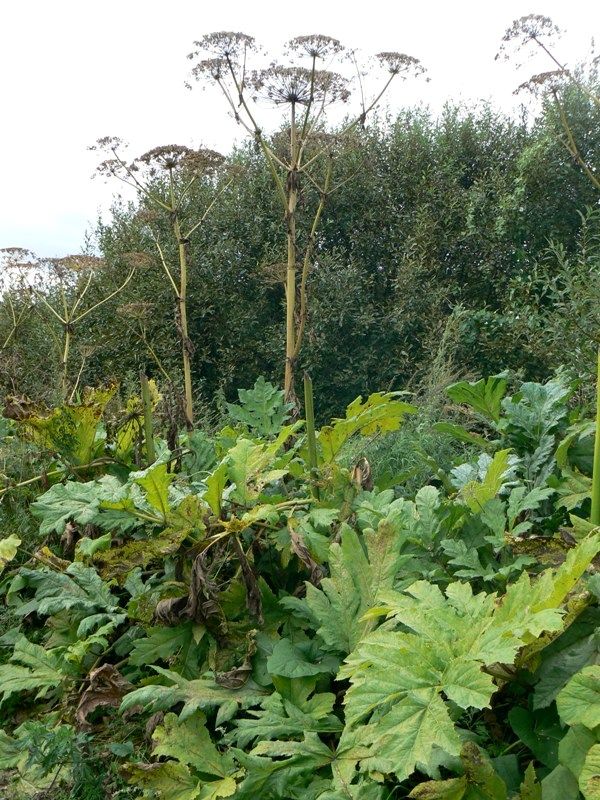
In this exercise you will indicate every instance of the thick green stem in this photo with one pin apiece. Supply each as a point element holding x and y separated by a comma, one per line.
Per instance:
<point>148,429</point>
<point>183,322</point>
<point>309,413</point>
<point>64,384</point>
<point>595,516</point>
<point>290,288</point>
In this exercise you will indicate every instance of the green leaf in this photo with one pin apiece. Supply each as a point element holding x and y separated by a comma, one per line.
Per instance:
<point>589,778</point>
<point>535,414</point>
<point>521,500</point>
<point>253,466</point>
<point>70,430</point>
<point>574,747</point>
<point>86,547</point>
<point>155,481</point>
<point>452,789</point>
<point>79,588</point>
<point>560,783</point>
<point>215,483</point>
<point>579,702</point>
<point>202,693</point>
<point>160,644</point>
<point>168,781</point>
<point>8,550</point>
<point>41,670</point>
<point>356,579</point>
<point>485,396</point>
<point>407,734</point>
<point>561,664</point>
<point>189,742</point>
<point>398,677</point>
<point>530,788</point>
<point>78,502</point>
<point>540,732</point>
<point>462,434</point>
<point>262,408</point>
<point>289,661</point>
<point>380,413</point>
<point>288,716</point>
<point>288,765</point>
<point>476,494</point>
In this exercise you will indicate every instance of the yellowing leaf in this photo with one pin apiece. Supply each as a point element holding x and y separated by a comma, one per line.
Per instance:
<point>380,413</point>
<point>8,549</point>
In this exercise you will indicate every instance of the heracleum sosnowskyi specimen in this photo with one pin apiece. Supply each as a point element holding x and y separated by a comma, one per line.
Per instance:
<point>540,31</point>
<point>305,164</point>
<point>164,178</point>
<point>60,286</point>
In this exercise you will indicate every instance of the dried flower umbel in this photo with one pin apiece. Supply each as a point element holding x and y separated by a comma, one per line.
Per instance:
<point>299,86</point>
<point>226,45</point>
<point>552,81</point>
<point>315,46</point>
<point>530,28</point>
<point>300,156</point>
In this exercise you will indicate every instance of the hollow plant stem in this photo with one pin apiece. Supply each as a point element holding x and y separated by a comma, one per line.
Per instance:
<point>595,515</point>
<point>183,321</point>
<point>148,428</point>
<point>309,412</point>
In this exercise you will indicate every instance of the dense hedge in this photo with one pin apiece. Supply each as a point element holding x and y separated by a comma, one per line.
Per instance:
<point>439,217</point>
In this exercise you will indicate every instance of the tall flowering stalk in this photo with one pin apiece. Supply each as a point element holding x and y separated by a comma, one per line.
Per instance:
<point>539,32</point>
<point>165,177</point>
<point>60,286</point>
<point>306,91</point>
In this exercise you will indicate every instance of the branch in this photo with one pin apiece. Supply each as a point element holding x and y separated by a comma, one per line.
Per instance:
<point>105,299</point>
<point>307,258</point>
<point>137,183</point>
<point>221,191</point>
<point>166,268</point>
<point>571,144</point>
<point>82,295</point>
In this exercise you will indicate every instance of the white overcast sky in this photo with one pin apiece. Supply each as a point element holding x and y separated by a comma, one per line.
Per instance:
<point>74,70</point>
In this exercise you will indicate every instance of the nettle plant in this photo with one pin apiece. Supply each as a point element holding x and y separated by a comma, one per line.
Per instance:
<point>164,179</point>
<point>302,155</point>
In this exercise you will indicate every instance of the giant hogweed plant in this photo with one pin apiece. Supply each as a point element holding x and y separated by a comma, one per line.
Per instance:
<point>245,619</point>
<point>164,179</point>
<point>539,32</point>
<point>302,156</point>
<point>60,290</point>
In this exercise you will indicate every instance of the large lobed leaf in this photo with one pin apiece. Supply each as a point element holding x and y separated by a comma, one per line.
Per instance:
<point>400,678</point>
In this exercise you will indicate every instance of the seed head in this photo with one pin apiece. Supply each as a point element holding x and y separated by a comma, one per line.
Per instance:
<point>224,44</point>
<point>531,28</point>
<point>17,258</point>
<point>138,260</point>
<point>316,45</point>
<point>299,86</point>
<point>552,81</point>
<point>400,63</point>
<point>108,144</point>
<point>76,263</point>
<point>214,68</point>
<point>140,310</point>
<point>165,157</point>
